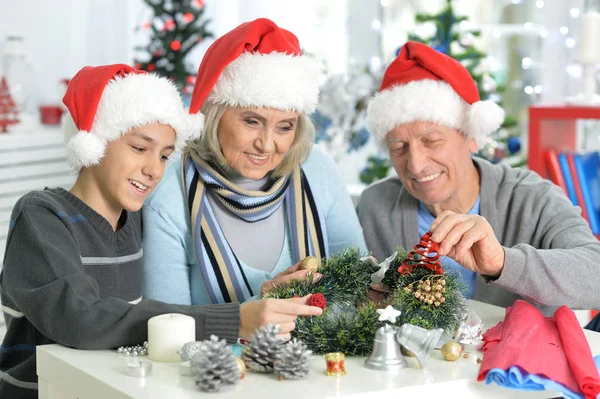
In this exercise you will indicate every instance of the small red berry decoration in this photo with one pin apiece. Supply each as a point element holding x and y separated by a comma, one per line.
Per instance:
<point>318,300</point>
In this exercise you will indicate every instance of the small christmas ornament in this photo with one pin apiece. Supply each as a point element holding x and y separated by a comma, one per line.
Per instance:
<point>242,367</point>
<point>215,366</point>
<point>292,361</point>
<point>260,353</point>
<point>136,350</point>
<point>386,353</point>
<point>451,350</point>
<point>318,300</point>
<point>423,255</point>
<point>189,349</point>
<point>310,263</point>
<point>513,144</point>
<point>388,314</point>
<point>378,276</point>
<point>335,364</point>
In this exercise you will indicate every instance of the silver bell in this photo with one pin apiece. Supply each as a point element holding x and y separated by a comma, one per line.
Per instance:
<point>386,351</point>
<point>419,341</point>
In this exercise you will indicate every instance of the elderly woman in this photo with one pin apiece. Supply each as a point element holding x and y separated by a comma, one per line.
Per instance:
<point>252,196</point>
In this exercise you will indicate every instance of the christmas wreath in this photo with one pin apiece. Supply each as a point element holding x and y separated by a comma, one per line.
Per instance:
<point>417,286</point>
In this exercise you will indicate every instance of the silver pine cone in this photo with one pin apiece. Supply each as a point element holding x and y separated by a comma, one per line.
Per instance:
<point>259,354</point>
<point>215,366</point>
<point>189,349</point>
<point>293,361</point>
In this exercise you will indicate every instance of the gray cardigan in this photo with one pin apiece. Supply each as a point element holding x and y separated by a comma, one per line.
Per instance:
<point>552,258</point>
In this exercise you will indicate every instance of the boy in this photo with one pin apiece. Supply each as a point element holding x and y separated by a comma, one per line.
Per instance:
<point>73,264</point>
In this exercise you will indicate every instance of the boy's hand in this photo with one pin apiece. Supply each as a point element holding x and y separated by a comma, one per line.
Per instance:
<point>284,312</point>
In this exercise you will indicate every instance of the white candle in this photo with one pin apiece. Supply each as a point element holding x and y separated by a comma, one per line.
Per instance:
<point>166,335</point>
<point>589,38</point>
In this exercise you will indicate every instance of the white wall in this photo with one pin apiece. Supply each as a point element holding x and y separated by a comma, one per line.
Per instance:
<point>61,36</point>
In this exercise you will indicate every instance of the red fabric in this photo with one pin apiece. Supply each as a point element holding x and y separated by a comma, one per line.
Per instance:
<point>318,300</point>
<point>259,36</point>
<point>417,61</point>
<point>85,91</point>
<point>555,348</point>
<point>578,352</point>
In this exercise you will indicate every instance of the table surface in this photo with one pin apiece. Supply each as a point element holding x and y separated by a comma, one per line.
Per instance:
<point>101,374</point>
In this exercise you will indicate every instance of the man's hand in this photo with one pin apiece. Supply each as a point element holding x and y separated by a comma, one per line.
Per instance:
<point>470,241</point>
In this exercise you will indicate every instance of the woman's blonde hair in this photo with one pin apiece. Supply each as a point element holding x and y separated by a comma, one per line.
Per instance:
<point>209,149</point>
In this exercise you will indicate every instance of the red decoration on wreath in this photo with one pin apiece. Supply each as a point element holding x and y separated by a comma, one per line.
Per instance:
<point>9,114</point>
<point>318,300</point>
<point>424,255</point>
<point>175,45</point>
<point>169,24</point>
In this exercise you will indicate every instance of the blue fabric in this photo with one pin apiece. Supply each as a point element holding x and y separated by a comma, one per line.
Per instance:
<point>517,378</point>
<point>449,265</point>
<point>171,271</point>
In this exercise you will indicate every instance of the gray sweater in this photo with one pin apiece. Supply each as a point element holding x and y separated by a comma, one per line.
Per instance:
<point>69,278</point>
<point>552,258</point>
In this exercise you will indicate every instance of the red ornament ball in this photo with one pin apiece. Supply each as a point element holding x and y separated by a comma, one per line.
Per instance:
<point>188,17</point>
<point>175,45</point>
<point>169,24</point>
<point>318,300</point>
<point>151,67</point>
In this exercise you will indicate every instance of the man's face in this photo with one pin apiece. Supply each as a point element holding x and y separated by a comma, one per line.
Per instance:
<point>430,160</point>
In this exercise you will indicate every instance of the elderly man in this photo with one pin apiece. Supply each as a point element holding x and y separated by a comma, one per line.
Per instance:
<point>509,232</point>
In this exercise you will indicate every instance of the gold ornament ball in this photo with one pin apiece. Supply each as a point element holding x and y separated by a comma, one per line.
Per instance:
<point>310,263</point>
<point>451,350</point>
<point>242,367</point>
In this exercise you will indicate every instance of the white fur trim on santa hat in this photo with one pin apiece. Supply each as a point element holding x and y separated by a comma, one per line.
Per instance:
<point>130,102</point>
<point>431,101</point>
<point>274,80</point>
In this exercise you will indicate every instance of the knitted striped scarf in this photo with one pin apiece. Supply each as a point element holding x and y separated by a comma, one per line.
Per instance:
<point>222,273</point>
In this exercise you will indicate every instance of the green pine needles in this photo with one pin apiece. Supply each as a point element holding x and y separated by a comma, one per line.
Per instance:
<point>350,320</point>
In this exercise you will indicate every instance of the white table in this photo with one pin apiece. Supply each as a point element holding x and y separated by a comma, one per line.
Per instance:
<point>68,374</point>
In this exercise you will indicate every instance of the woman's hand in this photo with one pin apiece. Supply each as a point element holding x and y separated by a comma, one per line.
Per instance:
<point>287,275</point>
<point>284,312</point>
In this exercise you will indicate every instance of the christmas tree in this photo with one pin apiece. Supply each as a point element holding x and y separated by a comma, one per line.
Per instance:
<point>460,46</point>
<point>8,110</point>
<point>176,28</point>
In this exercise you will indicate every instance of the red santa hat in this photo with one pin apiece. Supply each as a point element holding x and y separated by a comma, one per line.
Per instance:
<point>107,101</point>
<point>422,84</point>
<point>257,64</point>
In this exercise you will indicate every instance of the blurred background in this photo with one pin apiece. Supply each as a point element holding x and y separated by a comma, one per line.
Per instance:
<point>537,58</point>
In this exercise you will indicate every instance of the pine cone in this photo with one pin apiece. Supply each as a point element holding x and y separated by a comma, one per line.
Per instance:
<point>293,361</point>
<point>259,354</point>
<point>215,366</point>
<point>189,349</point>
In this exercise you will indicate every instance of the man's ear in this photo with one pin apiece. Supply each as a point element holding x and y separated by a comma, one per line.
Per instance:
<point>472,146</point>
